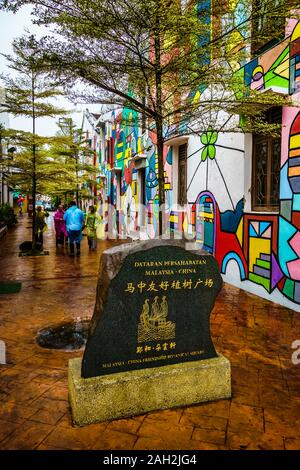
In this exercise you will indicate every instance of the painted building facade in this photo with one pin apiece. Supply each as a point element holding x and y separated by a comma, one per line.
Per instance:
<point>257,248</point>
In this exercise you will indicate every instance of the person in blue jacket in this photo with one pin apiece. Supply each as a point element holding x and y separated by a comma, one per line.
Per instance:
<point>74,218</point>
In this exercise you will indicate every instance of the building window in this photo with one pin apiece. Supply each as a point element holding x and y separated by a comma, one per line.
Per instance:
<point>182,174</point>
<point>268,24</point>
<point>266,167</point>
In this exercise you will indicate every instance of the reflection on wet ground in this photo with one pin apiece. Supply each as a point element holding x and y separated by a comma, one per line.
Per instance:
<point>256,335</point>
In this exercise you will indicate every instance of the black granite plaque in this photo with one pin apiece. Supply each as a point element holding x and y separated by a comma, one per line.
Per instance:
<point>153,308</point>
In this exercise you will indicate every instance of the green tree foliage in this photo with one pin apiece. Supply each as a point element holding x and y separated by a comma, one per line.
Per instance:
<point>28,95</point>
<point>48,169</point>
<point>71,147</point>
<point>151,55</point>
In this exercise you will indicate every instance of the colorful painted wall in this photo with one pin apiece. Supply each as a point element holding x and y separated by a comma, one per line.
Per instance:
<point>117,146</point>
<point>259,252</point>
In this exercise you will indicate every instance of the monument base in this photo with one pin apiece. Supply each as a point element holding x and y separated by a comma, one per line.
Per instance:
<point>136,392</point>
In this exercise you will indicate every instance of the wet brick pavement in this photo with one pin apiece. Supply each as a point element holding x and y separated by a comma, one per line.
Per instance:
<point>256,335</point>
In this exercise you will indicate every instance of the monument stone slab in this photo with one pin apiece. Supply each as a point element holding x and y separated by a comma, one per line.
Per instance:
<point>149,345</point>
<point>153,311</point>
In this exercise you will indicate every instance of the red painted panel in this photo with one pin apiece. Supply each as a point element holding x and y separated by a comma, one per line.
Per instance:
<point>296,219</point>
<point>295,129</point>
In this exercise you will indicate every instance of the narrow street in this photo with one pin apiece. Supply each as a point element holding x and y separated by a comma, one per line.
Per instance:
<point>254,334</point>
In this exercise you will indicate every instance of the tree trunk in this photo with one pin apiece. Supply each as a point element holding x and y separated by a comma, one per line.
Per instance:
<point>161,178</point>
<point>159,123</point>
<point>33,165</point>
<point>33,201</point>
<point>77,185</point>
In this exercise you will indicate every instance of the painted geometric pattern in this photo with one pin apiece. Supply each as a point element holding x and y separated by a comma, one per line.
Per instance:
<point>260,270</point>
<point>294,265</point>
<point>295,60</point>
<point>167,182</point>
<point>294,155</point>
<point>292,290</point>
<point>205,224</point>
<point>260,229</point>
<point>261,273</point>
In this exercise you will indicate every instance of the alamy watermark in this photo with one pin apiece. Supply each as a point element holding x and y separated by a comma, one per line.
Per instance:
<point>296,353</point>
<point>2,352</point>
<point>142,222</point>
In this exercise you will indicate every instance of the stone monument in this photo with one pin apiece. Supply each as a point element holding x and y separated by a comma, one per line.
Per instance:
<point>149,345</point>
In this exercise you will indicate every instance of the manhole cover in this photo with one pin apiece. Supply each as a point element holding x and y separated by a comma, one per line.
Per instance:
<point>66,336</point>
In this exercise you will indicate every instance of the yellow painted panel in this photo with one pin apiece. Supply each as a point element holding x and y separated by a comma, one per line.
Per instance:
<point>206,215</point>
<point>139,145</point>
<point>185,224</point>
<point>239,232</point>
<point>283,69</point>
<point>256,247</point>
<point>295,141</point>
<point>196,98</point>
<point>232,4</point>
<point>296,32</point>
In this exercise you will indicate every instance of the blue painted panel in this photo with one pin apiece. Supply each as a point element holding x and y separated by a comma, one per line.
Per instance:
<point>296,202</point>
<point>252,232</point>
<point>235,256</point>
<point>285,189</point>
<point>230,219</point>
<point>263,226</point>
<point>285,251</point>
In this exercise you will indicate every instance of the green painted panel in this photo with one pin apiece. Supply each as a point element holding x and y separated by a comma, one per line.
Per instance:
<point>260,280</point>
<point>289,288</point>
<point>263,264</point>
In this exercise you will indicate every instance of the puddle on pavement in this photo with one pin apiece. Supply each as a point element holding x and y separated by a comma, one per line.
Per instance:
<point>66,336</point>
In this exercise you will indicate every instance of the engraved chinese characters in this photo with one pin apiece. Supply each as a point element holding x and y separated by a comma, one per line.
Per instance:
<point>153,306</point>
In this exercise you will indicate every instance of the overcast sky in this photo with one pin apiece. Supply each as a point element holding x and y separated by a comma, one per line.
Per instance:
<point>11,27</point>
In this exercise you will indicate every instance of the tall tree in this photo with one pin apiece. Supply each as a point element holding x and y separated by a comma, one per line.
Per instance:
<point>70,145</point>
<point>151,55</point>
<point>48,167</point>
<point>28,95</point>
<point>59,167</point>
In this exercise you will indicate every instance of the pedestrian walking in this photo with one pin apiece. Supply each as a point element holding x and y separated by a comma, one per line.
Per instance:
<point>92,220</point>
<point>40,226</point>
<point>74,218</point>
<point>20,202</point>
<point>60,226</point>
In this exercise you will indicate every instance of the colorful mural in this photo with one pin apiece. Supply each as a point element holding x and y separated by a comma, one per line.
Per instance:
<point>269,254</point>
<point>278,67</point>
<point>266,248</point>
<point>123,141</point>
<point>263,247</point>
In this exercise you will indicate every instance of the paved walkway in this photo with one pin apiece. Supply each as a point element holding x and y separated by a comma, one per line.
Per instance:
<point>256,335</point>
